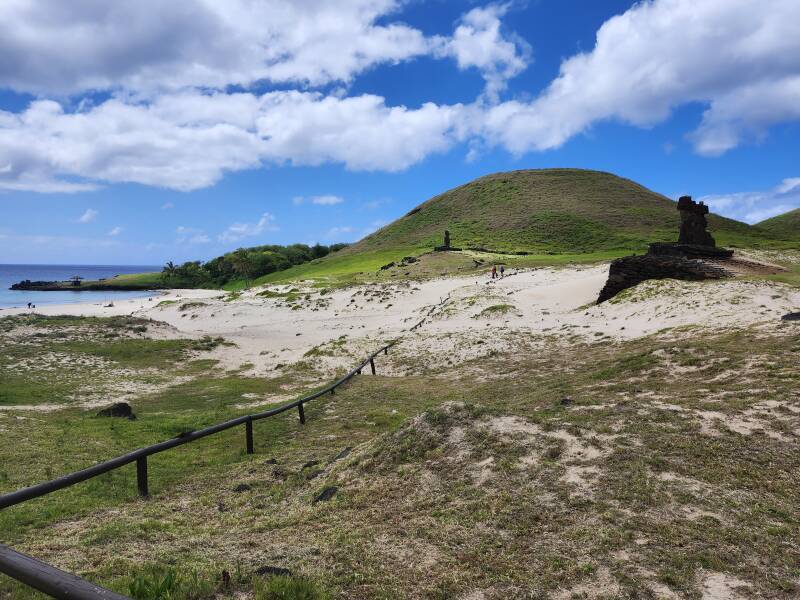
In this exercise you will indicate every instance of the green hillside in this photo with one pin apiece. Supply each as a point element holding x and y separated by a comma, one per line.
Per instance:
<point>545,211</point>
<point>784,227</point>
<point>554,215</point>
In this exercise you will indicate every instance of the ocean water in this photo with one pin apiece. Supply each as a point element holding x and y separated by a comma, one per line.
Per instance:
<point>15,273</point>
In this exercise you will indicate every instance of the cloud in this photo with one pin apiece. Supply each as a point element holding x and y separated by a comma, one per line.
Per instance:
<point>739,57</point>
<point>788,185</point>
<point>191,235</point>
<point>115,231</point>
<point>478,42</point>
<point>375,204</point>
<point>238,231</point>
<point>188,141</point>
<point>326,200</point>
<point>339,233</point>
<point>172,121</point>
<point>374,226</point>
<point>88,216</point>
<point>753,207</point>
<point>49,47</point>
<point>167,206</point>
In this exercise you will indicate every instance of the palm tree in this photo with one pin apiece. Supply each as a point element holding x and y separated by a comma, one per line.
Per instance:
<point>168,271</point>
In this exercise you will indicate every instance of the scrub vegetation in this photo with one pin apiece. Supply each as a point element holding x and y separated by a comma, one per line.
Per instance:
<point>642,468</point>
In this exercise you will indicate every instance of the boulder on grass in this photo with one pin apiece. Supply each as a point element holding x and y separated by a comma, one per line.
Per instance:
<point>120,410</point>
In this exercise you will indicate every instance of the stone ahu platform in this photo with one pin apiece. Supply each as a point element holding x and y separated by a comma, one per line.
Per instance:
<point>628,271</point>
<point>693,258</point>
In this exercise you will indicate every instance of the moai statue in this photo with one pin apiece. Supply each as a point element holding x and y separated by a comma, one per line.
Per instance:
<point>446,239</point>
<point>693,223</point>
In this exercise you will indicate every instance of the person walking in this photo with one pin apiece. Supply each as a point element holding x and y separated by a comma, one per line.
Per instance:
<point>502,271</point>
<point>494,271</point>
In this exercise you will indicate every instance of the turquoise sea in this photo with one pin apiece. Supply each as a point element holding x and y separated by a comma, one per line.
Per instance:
<point>10,274</point>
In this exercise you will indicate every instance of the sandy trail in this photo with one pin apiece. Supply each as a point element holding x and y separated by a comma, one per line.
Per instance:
<point>272,331</point>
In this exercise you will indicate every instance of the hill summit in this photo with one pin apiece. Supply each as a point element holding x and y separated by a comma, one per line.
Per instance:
<point>543,211</point>
<point>784,227</point>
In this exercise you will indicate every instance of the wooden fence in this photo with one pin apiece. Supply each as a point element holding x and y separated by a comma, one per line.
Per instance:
<point>61,585</point>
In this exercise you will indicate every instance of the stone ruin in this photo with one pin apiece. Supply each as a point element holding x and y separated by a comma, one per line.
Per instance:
<point>693,257</point>
<point>693,223</point>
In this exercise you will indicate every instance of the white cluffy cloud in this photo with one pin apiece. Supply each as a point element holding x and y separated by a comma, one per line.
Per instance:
<point>326,200</point>
<point>171,120</point>
<point>478,42</point>
<point>753,207</point>
<point>190,235</point>
<point>52,46</point>
<point>88,216</point>
<point>339,233</point>
<point>238,231</point>
<point>739,57</point>
<point>115,231</point>
<point>188,141</point>
<point>49,46</point>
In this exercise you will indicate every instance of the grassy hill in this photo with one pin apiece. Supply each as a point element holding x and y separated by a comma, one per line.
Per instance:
<point>784,227</point>
<point>549,213</point>
<point>541,211</point>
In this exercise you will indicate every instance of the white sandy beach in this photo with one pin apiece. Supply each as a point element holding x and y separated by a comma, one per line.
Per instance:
<point>547,302</point>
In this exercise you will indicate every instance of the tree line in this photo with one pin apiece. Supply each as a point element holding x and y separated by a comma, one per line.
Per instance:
<point>244,263</point>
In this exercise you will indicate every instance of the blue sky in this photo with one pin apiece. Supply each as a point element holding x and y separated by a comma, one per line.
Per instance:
<point>136,133</point>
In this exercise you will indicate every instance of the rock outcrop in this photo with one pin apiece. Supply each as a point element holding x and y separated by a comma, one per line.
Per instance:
<point>630,270</point>
<point>120,410</point>
<point>694,257</point>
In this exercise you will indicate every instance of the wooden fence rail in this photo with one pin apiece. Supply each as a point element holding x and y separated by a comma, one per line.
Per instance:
<point>51,581</point>
<point>61,585</point>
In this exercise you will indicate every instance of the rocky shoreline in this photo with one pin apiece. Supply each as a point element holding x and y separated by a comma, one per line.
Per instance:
<point>92,286</point>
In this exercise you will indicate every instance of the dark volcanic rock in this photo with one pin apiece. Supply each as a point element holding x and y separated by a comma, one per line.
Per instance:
<point>344,453</point>
<point>242,487</point>
<point>270,570</point>
<point>628,271</point>
<point>120,410</point>
<point>795,316</point>
<point>688,250</point>
<point>692,258</point>
<point>326,494</point>
<point>693,223</point>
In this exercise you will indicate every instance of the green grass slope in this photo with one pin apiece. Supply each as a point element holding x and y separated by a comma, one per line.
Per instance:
<point>541,211</point>
<point>548,213</point>
<point>784,227</point>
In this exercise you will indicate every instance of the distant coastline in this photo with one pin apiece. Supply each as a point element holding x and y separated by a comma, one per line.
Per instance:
<point>51,284</point>
<point>84,286</point>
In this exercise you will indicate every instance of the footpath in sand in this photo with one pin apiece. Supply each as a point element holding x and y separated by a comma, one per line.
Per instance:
<point>279,325</point>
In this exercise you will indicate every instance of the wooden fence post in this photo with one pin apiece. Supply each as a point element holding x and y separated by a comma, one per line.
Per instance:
<point>248,428</point>
<point>302,414</point>
<point>141,476</point>
<point>372,365</point>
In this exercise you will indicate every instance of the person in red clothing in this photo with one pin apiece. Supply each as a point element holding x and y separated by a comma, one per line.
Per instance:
<point>494,272</point>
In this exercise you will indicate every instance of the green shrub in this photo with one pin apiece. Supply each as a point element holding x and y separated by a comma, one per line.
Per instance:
<point>167,584</point>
